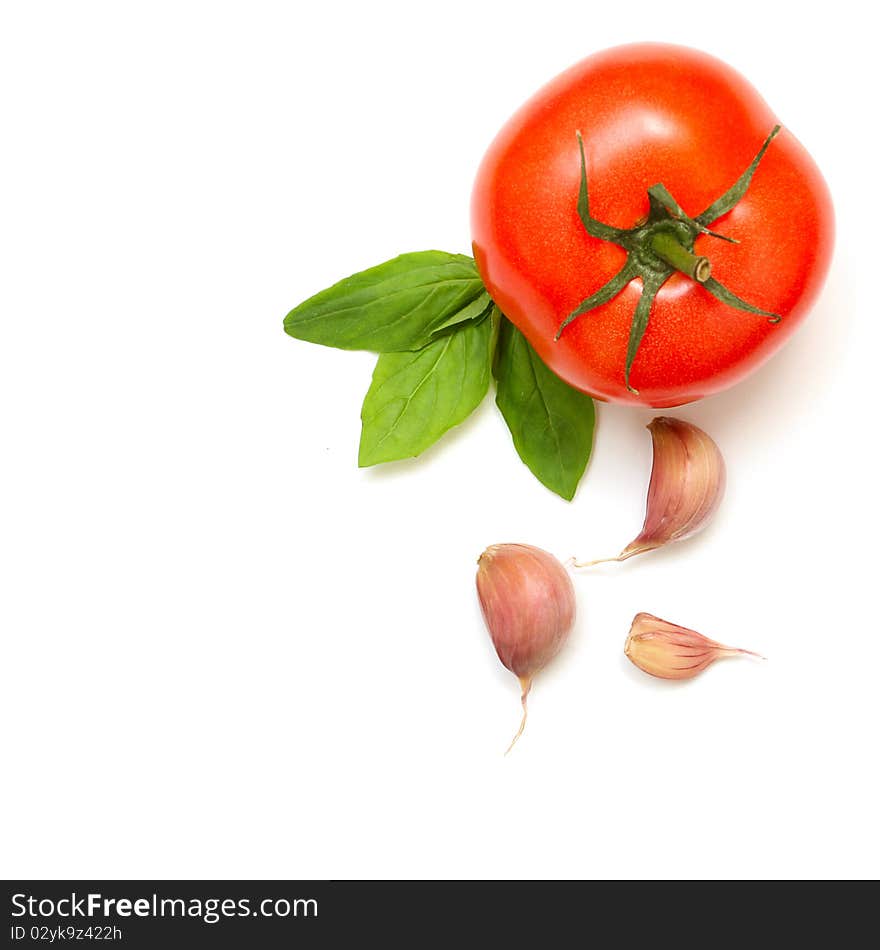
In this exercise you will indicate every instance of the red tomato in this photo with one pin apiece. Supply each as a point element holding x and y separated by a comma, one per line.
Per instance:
<point>649,113</point>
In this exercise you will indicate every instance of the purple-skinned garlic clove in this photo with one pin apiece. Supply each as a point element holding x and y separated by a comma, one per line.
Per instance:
<point>672,652</point>
<point>688,477</point>
<point>528,603</point>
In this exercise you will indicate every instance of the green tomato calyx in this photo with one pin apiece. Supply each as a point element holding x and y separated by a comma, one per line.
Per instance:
<point>658,247</point>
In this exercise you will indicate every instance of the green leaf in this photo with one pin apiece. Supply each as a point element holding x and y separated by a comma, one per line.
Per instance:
<point>396,306</point>
<point>551,423</point>
<point>415,397</point>
<point>474,311</point>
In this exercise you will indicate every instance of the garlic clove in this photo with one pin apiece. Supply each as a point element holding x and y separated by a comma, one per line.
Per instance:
<point>672,652</point>
<point>528,603</point>
<point>688,478</point>
<point>527,599</point>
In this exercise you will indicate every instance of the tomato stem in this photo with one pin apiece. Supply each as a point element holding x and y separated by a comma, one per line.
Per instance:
<point>669,249</point>
<point>656,247</point>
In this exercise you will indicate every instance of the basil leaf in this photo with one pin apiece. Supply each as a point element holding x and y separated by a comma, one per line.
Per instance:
<point>551,423</point>
<point>476,310</point>
<point>415,397</point>
<point>393,307</point>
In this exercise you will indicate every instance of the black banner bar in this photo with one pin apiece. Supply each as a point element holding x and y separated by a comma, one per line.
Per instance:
<point>267,914</point>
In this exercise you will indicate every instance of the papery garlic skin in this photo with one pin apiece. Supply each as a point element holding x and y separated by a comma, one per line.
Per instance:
<point>672,652</point>
<point>528,602</point>
<point>688,478</point>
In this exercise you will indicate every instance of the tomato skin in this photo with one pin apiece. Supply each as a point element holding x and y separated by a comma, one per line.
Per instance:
<point>649,113</point>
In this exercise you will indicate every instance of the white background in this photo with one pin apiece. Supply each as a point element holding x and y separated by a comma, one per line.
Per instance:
<point>227,652</point>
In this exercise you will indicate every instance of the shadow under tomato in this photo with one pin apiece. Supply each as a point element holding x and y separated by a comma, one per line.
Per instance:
<point>794,378</point>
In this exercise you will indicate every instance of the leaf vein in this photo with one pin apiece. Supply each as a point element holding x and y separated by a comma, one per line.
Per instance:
<point>548,414</point>
<point>412,395</point>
